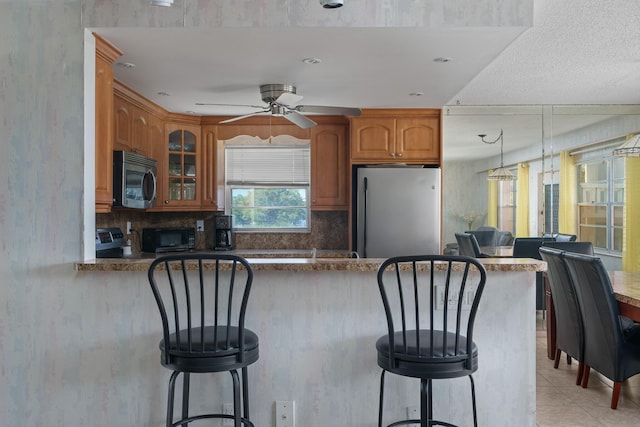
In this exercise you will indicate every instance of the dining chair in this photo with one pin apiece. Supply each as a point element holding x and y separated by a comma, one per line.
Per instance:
<point>561,237</point>
<point>611,341</point>
<point>569,325</point>
<point>424,339</point>
<point>202,299</point>
<point>468,246</point>
<point>527,247</point>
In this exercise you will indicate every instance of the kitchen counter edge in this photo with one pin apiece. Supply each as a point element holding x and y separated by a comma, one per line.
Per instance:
<point>307,264</point>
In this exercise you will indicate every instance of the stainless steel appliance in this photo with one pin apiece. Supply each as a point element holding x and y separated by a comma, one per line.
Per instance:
<point>109,242</point>
<point>223,235</point>
<point>134,180</point>
<point>397,211</point>
<point>168,239</point>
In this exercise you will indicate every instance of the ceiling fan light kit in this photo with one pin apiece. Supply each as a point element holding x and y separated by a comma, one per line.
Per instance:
<point>282,100</point>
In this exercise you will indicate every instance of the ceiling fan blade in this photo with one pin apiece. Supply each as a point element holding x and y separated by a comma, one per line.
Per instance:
<point>321,109</point>
<point>299,120</point>
<point>232,105</point>
<point>289,99</point>
<point>233,119</point>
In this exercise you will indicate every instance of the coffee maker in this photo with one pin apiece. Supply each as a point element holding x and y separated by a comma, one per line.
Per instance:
<point>223,235</point>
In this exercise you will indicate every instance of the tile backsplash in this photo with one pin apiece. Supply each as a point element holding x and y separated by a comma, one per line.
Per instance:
<point>329,229</point>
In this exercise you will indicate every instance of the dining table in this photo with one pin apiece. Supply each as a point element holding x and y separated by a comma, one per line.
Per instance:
<point>626,289</point>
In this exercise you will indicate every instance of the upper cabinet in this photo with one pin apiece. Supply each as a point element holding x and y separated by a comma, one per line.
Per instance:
<point>396,136</point>
<point>131,127</point>
<point>329,167</point>
<point>106,54</point>
<point>180,168</point>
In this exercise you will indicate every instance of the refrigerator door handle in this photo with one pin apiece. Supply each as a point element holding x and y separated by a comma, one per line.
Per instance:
<point>364,218</point>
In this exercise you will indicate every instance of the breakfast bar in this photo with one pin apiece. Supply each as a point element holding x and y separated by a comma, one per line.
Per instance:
<point>318,320</point>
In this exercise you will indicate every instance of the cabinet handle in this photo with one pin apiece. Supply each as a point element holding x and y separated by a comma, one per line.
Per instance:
<point>392,154</point>
<point>166,202</point>
<point>399,154</point>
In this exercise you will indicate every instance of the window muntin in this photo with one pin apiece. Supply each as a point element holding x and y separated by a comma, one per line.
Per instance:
<point>507,206</point>
<point>601,202</point>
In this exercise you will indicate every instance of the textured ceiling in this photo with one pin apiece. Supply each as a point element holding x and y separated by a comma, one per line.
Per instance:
<point>375,53</point>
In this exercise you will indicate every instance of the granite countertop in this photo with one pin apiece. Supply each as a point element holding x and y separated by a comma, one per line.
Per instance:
<point>276,261</point>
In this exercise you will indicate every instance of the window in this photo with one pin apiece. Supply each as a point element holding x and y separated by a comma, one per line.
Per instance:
<point>600,202</point>
<point>267,187</point>
<point>507,206</point>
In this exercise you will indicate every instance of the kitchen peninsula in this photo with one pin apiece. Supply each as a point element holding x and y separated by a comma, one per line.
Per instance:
<point>318,320</point>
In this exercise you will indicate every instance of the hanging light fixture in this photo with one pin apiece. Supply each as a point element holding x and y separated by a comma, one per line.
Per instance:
<point>631,147</point>
<point>500,174</point>
<point>161,2</point>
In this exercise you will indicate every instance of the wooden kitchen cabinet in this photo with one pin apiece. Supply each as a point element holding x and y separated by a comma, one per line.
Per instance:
<point>396,136</point>
<point>131,127</point>
<point>212,193</point>
<point>106,54</point>
<point>180,181</point>
<point>329,167</point>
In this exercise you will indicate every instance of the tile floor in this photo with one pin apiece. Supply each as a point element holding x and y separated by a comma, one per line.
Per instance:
<point>560,403</point>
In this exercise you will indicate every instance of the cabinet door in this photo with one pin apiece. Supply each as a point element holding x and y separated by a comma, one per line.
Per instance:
<point>122,124</point>
<point>183,172</point>
<point>329,167</point>
<point>210,189</point>
<point>372,139</point>
<point>418,139</point>
<point>104,135</point>
<point>139,131</point>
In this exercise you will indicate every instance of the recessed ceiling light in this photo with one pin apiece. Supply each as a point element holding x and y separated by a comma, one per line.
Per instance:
<point>161,2</point>
<point>126,64</point>
<point>312,61</point>
<point>164,94</point>
<point>416,94</point>
<point>442,59</point>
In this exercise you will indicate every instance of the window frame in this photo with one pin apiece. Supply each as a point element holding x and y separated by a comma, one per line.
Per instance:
<point>610,204</point>
<point>270,184</point>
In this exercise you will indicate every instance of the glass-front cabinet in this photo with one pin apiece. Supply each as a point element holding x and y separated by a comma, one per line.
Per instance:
<point>183,174</point>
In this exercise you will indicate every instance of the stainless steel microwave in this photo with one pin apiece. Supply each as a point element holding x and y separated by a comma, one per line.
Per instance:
<point>134,180</point>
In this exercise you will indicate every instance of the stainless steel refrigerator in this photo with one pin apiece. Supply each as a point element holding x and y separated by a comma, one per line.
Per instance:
<point>397,211</point>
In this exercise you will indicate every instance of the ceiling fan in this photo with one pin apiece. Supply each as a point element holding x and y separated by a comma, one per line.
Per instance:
<point>282,100</point>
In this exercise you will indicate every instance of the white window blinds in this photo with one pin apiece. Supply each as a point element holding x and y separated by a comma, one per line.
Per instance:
<point>267,165</point>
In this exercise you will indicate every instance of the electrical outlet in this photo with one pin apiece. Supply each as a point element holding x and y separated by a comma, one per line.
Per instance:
<point>129,227</point>
<point>413,414</point>
<point>200,225</point>
<point>285,413</point>
<point>227,409</point>
<point>467,299</point>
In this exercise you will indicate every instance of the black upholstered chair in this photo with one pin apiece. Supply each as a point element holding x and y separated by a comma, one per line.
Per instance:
<point>486,236</point>
<point>527,247</point>
<point>425,340</point>
<point>561,237</point>
<point>569,327</point>
<point>611,341</point>
<point>202,300</point>
<point>468,246</point>
<point>585,248</point>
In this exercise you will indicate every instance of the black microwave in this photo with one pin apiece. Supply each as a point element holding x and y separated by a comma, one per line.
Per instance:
<point>168,239</point>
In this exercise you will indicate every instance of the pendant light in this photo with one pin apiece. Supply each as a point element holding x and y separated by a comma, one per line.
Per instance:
<point>499,174</point>
<point>631,147</point>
